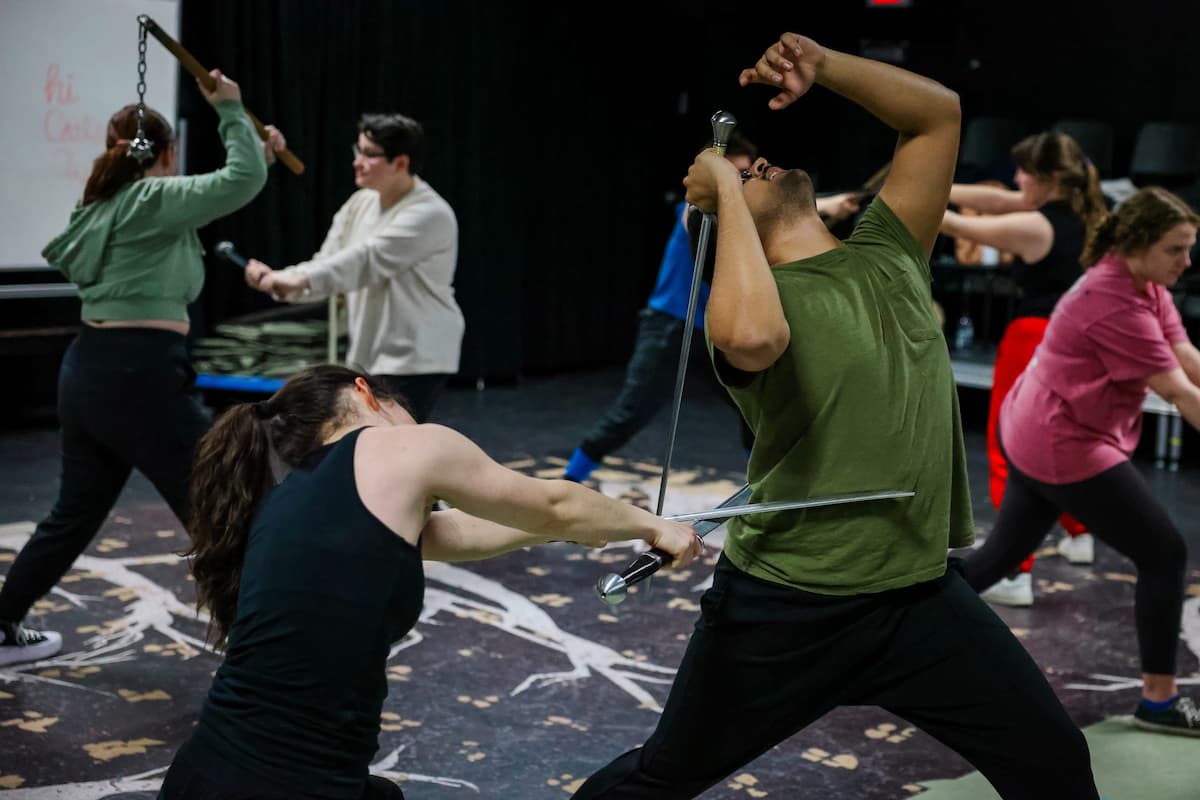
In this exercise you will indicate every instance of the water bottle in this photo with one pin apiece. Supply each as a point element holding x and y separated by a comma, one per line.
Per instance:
<point>964,336</point>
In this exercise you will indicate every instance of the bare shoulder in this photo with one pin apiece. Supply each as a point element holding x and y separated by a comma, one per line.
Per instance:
<point>428,460</point>
<point>406,439</point>
<point>412,456</point>
<point>412,448</point>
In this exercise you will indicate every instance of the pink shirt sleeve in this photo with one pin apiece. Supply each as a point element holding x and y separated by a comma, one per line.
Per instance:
<point>1132,343</point>
<point>1168,315</point>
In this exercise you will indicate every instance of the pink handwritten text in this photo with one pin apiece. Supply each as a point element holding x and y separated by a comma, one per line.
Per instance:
<point>59,91</point>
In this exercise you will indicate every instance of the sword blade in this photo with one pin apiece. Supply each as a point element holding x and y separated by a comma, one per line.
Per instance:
<point>724,512</point>
<point>706,526</point>
<point>613,587</point>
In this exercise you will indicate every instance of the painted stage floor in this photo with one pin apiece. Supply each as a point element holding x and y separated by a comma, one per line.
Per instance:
<point>517,682</point>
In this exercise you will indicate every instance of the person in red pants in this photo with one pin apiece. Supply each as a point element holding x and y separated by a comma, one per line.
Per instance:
<point>1043,223</point>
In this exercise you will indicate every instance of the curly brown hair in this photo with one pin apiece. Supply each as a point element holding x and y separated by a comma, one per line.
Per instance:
<point>1137,223</point>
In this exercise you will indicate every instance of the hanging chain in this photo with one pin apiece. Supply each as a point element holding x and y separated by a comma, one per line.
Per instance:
<point>141,85</point>
<point>140,147</point>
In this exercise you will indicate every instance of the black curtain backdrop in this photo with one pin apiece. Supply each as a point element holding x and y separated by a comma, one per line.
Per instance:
<point>560,134</point>
<point>545,132</point>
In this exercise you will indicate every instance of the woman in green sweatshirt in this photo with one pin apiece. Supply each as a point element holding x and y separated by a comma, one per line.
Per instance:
<point>124,387</point>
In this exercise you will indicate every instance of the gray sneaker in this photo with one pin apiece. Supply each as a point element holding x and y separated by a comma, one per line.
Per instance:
<point>1079,549</point>
<point>1014,592</point>
<point>1181,717</point>
<point>19,644</point>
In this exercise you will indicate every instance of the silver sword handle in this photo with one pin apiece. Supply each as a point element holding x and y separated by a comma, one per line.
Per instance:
<point>723,124</point>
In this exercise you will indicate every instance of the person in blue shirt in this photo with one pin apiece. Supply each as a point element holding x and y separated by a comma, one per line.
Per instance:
<point>650,373</point>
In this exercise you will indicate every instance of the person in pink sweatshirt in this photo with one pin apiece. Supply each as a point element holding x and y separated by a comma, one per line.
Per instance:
<point>1072,420</point>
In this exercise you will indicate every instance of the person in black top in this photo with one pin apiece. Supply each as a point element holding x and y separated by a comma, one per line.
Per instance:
<point>1043,223</point>
<point>311,577</point>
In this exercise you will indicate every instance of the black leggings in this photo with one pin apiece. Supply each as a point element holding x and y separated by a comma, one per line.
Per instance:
<point>125,401</point>
<point>1118,508</point>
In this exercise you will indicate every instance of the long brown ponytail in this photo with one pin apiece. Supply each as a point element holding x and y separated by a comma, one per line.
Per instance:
<point>1053,154</point>
<point>114,168</point>
<point>1140,221</point>
<point>232,474</point>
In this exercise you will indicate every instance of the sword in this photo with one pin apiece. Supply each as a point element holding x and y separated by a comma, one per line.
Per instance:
<point>613,587</point>
<point>723,124</point>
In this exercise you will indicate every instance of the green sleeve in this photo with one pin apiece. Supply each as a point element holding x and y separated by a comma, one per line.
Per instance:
<point>192,201</point>
<point>879,226</point>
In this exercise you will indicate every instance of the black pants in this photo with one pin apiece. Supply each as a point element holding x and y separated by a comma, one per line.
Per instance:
<point>125,401</point>
<point>766,660</point>
<point>649,384</point>
<point>1119,509</point>
<point>197,773</point>
<point>420,392</point>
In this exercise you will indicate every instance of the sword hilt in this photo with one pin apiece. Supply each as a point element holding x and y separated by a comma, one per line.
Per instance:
<point>723,124</point>
<point>614,586</point>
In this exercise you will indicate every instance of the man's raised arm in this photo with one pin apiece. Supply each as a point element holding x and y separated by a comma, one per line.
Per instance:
<point>925,114</point>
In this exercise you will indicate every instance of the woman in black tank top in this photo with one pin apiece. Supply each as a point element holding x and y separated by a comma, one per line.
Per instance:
<point>310,520</point>
<point>1043,223</point>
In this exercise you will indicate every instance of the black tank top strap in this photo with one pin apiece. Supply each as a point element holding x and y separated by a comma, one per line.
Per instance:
<point>1043,282</point>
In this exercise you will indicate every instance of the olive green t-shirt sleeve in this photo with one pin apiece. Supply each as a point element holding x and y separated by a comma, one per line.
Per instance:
<point>192,201</point>
<point>880,226</point>
<point>729,375</point>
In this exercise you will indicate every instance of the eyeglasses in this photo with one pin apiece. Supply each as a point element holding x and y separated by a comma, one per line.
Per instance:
<point>763,173</point>
<point>358,151</point>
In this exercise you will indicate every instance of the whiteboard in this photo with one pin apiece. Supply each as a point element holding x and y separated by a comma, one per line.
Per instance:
<point>65,67</point>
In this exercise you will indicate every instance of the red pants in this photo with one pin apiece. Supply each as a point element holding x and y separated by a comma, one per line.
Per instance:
<point>1021,338</point>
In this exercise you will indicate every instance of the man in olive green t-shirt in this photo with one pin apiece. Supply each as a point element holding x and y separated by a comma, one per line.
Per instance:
<point>834,354</point>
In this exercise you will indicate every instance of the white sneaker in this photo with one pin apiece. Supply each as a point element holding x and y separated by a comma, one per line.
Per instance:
<point>19,644</point>
<point>1016,592</point>
<point>1079,549</point>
